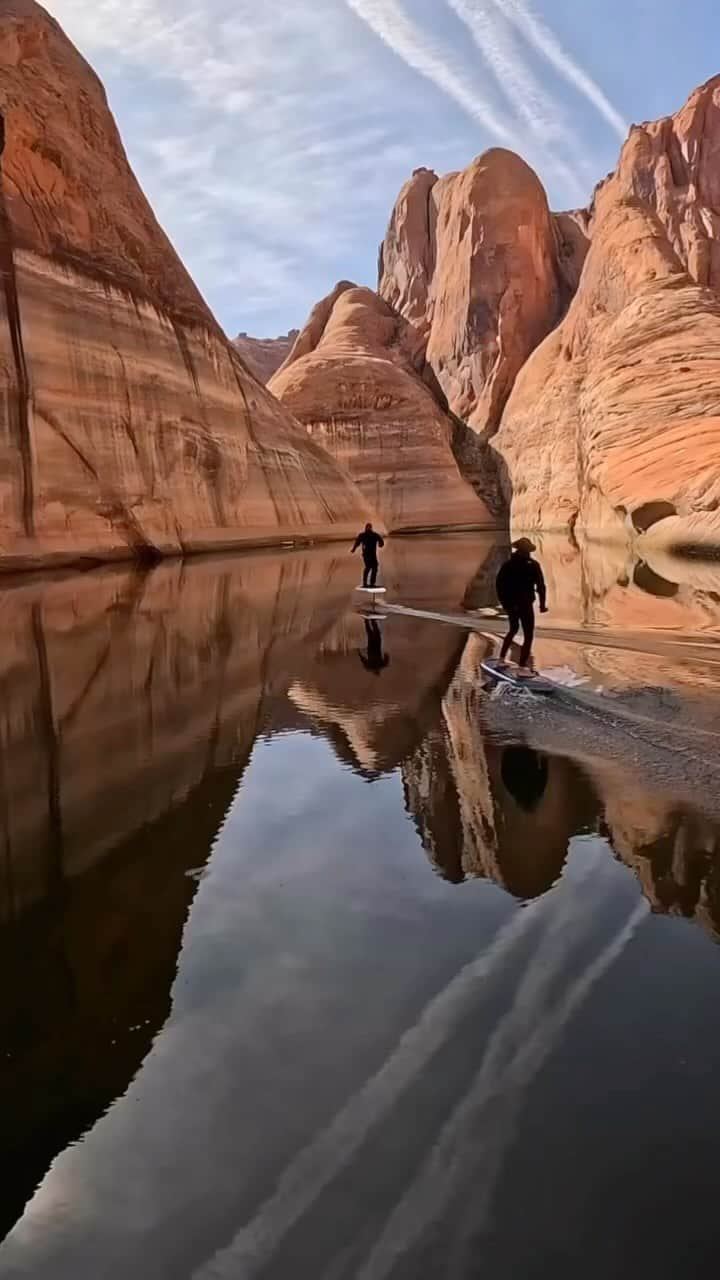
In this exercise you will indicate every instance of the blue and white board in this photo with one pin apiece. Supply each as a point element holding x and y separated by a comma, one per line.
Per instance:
<point>535,684</point>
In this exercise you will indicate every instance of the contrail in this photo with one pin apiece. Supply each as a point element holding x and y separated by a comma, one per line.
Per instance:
<point>391,24</point>
<point>542,38</point>
<point>534,106</point>
<point>490,32</point>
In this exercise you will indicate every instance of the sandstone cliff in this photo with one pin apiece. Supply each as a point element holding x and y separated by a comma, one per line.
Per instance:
<point>671,166</point>
<point>357,378</point>
<point>263,356</point>
<point>613,426</point>
<point>478,263</point>
<point>129,424</point>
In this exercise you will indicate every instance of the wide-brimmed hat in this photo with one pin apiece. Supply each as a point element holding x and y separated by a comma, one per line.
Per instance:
<point>524,544</point>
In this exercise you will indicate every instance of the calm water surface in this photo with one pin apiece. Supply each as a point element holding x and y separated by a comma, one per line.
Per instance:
<point>322,961</point>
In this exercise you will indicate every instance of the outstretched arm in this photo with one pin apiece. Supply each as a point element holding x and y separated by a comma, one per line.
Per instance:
<point>541,588</point>
<point>356,543</point>
<point>381,541</point>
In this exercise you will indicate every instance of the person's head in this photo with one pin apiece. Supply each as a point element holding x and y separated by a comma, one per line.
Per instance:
<point>368,527</point>
<point>524,547</point>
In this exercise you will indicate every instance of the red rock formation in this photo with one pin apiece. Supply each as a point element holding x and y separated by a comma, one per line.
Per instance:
<point>355,379</point>
<point>671,166</point>
<point>476,261</point>
<point>263,356</point>
<point>129,425</point>
<point>613,426</point>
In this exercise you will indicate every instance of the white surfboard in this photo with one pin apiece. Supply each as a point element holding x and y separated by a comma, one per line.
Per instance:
<point>535,684</point>
<point>373,591</point>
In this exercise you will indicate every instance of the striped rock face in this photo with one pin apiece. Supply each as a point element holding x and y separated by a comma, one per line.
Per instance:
<point>613,425</point>
<point>129,427</point>
<point>358,379</point>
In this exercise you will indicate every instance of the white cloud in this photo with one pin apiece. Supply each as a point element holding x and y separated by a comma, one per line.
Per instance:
<point>272,139</point>
<point>263,169</point>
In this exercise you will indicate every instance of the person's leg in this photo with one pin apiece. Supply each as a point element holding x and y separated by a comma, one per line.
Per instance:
<point>513,626</point>
<point>527,617</point>
<point>366,572</point>
<point>374,572</point>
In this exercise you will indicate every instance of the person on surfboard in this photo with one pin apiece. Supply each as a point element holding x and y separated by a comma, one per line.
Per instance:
<point>369,540</point>
<point>519,579</point>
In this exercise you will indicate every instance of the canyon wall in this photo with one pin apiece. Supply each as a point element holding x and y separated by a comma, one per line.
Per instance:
<point>585,345</point>
<point>613,427</point>
<point>263,356</point>
<point>129,425</point>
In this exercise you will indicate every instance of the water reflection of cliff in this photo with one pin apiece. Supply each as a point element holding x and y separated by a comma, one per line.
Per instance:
<point>493,809</point>
<point>374,722</point>
<point>129,708</point>
<point>642,619</point>
<point>130,705</point>
<point>497,791</point>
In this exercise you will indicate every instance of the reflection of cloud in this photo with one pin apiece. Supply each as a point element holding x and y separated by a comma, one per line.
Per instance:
<point>522,1040</point>
<point>481,1129</point>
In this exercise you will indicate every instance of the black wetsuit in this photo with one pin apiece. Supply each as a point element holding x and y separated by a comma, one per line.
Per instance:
<point>518,580</point>
<point>369,540</point>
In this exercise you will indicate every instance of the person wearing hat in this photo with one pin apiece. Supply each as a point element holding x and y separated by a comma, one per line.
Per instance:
<point>519,579</point>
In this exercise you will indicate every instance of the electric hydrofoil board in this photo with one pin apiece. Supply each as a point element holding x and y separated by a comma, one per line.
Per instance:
<point>509,675</point>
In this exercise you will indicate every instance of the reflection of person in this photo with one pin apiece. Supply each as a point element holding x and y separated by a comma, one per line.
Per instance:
<point>518,580</point>
<point>376,660</point>
<point>369,540</point>
<point>525,774</point>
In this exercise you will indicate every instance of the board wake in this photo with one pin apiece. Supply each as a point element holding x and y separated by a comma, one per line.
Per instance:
<point>534,684</point>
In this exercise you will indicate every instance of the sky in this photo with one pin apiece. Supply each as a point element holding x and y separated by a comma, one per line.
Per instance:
<point>272,136</point>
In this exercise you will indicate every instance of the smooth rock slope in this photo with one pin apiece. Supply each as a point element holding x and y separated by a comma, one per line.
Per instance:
<point>129,424</point>
<point>358,379</point>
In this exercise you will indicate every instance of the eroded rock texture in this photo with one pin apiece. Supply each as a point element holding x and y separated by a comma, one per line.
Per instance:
<point>613,426</point>
<point>671,165</point>
<point>478,263</point>
<point>129,425</point>
<point>263,356</point>
<point>357,378</point>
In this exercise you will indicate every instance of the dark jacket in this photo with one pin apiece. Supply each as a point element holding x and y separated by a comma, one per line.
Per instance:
<point>369,543</point>
<point>518,580</point>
